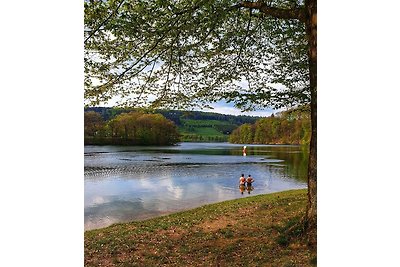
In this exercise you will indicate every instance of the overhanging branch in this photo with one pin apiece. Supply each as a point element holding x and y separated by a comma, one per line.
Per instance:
<point>280,13</point>
<point>104,21</point>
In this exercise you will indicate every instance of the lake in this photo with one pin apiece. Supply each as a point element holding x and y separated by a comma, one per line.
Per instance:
<point>126,183</point>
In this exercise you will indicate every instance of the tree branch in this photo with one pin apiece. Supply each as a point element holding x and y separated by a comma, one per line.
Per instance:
<point>294,13</point>
<point>104,21</point>
<point>164,34</point>
<point>245,38</point>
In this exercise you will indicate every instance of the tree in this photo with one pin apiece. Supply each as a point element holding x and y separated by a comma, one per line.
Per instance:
<point>175,53</point>
<point>93,123</point>
<point>135,128</point>
<point>290,127</point>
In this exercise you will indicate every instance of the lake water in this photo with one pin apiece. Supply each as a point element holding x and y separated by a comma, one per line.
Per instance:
<point>133,183</point>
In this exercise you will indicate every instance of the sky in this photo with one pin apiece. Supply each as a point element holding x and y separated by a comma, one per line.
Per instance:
<point>226,108</point>
<point>221,107</point>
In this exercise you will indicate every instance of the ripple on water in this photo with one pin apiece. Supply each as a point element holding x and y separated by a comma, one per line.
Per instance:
<point>145,182</point>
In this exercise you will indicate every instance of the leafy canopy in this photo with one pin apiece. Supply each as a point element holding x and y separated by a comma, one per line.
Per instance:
<point>177,54</point>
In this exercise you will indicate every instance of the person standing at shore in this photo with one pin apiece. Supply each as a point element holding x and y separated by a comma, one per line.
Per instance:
<point>249,180</point>
<point>242,180</point>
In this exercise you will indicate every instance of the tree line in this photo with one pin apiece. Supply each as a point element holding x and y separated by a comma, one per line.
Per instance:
<point>133,128</point>
<point>289,127</point>
<point>177,116</point>
<point>203,138</point>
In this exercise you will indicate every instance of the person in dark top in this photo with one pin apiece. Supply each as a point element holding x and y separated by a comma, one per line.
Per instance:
<point>249,180</point>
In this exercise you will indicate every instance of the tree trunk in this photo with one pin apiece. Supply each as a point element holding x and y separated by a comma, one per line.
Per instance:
<point>126,132</point>
<point>311,216</point>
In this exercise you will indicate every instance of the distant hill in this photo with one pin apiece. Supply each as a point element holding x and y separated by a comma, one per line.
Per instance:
<point>193,125</point>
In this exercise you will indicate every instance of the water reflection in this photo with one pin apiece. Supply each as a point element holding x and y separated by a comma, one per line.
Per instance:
<point>249,188</point>
<point>242,188</point>
<point>133,183</point>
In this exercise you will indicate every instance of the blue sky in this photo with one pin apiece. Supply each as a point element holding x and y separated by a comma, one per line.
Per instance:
<point>223,108</point>
<point>228,108</point>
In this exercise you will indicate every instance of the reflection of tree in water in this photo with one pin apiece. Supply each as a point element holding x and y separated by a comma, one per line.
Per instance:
<point>295,158</point>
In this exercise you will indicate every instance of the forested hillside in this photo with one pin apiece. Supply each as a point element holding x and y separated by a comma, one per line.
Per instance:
<point>177,115</point>
<point>289,127</point>
<point>192,125</point>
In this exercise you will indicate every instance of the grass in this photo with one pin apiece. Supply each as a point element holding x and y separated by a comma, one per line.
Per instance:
<point>205,131</point>
<point>263,230</point>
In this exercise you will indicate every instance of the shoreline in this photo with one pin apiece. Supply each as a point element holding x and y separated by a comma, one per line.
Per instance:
<point>258,230</point>
<point>171,212</point>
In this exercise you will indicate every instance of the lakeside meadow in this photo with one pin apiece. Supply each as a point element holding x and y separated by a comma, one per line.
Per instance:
<point>263,230</point>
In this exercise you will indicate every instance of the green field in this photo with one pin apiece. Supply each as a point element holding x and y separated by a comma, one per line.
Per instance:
<point>205,130</point>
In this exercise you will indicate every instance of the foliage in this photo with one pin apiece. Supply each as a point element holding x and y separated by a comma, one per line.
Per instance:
<point>191,137</point>
<point>135,128</point>
<point>194,126</point>
<point>93,123</point>
<point>176,115</point>
<point>290,127</point>
<point>182,53</point>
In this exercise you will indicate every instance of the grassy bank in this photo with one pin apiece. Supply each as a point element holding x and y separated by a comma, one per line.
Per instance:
<point>205,130</point>
<point>262,230</point>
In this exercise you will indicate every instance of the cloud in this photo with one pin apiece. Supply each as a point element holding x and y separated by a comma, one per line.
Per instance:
<point>228,108</point>
<point>220,107</point>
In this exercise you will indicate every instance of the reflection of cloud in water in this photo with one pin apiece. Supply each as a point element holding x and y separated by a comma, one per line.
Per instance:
<point>117,211</point>
<point>96,200</point>
<point>177,192</point>
<point>165,183</point>
<point>118,190</point>
<point>99,223</point>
